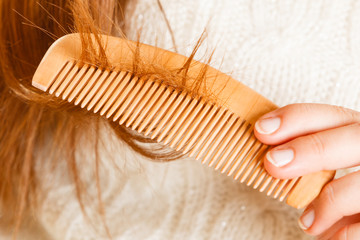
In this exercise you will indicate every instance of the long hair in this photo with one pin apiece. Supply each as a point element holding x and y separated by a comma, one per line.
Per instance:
<point>30,121</point>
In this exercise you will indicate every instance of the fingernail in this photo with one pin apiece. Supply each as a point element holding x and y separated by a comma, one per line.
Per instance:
<point>307,219</point>
<point>268,125</point>
<point>281,157</point>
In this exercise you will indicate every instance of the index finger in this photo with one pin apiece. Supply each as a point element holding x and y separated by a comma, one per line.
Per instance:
<point>327,150</point>
<point>296,120</point>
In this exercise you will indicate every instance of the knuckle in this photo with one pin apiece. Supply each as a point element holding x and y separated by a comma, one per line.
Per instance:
<point>299,108</point>
<point>328,194</point>
<point>328,199</point>
<point>354,131</point>
<point>356,127</point>
<point>346,114</point>
<point>317,144</point>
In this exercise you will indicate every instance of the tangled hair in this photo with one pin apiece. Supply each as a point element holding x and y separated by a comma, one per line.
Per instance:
<point>31,121</point>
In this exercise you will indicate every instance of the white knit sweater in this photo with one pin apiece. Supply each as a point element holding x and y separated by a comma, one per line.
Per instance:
<point>289,51</point>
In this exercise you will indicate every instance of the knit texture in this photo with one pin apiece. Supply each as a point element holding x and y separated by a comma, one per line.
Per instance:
<point>289,51</point>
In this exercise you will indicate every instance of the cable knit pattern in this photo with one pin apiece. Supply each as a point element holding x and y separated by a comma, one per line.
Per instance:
<point>289,51</point>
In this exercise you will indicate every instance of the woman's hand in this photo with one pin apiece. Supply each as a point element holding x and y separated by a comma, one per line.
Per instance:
<point>315,137</point>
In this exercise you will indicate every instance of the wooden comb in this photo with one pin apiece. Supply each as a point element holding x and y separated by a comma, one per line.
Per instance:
<point>218,132</point>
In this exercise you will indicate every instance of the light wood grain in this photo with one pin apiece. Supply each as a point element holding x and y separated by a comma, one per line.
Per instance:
<point>216,131</point>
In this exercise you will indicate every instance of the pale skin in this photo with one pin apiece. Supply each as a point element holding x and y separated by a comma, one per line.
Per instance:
<point>310,138</point>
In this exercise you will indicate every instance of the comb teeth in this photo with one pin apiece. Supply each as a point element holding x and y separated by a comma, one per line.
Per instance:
<point>188,124</point>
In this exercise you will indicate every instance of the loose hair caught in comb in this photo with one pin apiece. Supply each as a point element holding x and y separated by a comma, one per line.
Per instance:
<point>31,122</point>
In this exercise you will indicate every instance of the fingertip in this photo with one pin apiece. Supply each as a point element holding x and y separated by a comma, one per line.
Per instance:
<point>268,125</point>
<point>307,222</point>
<point>307,218</point>
<point>274,171</point>
<point>264,138</point>
<point>266,130</point>
<point>277,162</point>
<point>280,157</point>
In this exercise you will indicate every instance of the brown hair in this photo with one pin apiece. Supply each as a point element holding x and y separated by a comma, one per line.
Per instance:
<point>29,118</point>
